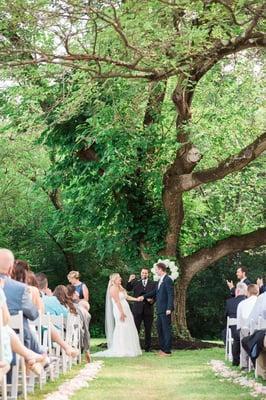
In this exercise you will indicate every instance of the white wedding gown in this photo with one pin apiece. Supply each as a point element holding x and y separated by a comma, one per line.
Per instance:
<point>125,342</point>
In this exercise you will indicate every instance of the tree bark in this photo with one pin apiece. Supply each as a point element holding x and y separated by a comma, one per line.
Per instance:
<point>184,163</point>
<point>180,319</point>
<point>231,164</point>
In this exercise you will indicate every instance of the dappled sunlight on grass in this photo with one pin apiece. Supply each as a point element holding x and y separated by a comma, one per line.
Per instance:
<point>186,375</point>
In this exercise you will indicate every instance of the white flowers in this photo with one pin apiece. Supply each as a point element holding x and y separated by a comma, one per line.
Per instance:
<point>69,387</point>
<point>170,265</point>
<point>223,371</point>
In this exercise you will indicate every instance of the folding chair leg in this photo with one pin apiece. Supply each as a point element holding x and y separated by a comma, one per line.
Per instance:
<point>24,379</point>
<point>4,388</point>
<point>14,381</point>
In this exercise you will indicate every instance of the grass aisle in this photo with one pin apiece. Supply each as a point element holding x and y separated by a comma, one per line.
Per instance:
<point>184,376</point>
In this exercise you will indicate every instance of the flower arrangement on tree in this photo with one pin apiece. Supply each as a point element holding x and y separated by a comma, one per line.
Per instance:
<point>170,265</point>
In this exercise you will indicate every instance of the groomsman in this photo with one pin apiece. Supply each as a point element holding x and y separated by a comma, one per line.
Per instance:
<point>241,274</point>
<point>142,311</point>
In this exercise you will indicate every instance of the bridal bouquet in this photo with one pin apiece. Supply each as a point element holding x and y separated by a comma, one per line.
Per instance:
<point>174,274</point>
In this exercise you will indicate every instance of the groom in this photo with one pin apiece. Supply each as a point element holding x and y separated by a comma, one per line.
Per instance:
<point>164,295</point>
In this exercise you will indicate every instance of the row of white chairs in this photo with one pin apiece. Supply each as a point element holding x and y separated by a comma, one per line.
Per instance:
<point>229,339</point>
<point>23,383</point>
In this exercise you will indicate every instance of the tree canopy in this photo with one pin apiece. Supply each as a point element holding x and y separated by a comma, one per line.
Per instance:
<point>136,127</point>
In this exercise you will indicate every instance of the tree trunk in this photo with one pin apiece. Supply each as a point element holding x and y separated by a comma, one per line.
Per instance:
<point>185,161</point>
<point>180,321</point>
<point>173,204</point>
<point>70,260</point>
<point>69,256</point>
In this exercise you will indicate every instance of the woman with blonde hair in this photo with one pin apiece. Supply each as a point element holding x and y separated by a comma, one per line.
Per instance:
<point>121,333</point>
<point>81,289</point>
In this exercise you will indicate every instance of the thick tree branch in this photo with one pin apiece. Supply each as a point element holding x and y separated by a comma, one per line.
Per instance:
<point>203,258</point>
<point>231,164</point>
<point>68,255</point>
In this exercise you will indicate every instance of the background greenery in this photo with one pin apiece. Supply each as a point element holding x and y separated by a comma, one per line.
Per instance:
<point>52,202</point>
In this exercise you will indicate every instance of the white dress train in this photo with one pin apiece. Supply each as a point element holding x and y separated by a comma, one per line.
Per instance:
<point>125,342</point>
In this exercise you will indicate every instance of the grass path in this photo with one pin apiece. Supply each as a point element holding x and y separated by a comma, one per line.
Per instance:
<point>184,376</point>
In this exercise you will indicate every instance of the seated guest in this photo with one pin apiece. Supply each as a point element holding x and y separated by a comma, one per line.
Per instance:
<point>81,288</point>
<point>11,342</point>
<point>259,310</point>
<point>7,353</point>
<point>82,308</point>
<point>243,311</point>
<point>71,290</point>
<point>231,312</point>
<point>51,303</point>
<point>241,274</point>
<point>255,346</point>
<point>21,272</point>
<point>18,297</point>
<point>261,282</point>
<point>60,293</point>
<point>35,293</point>
<point>54,307</point>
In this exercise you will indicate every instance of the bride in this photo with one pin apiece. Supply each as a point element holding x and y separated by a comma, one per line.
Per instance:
<point>121,333</point>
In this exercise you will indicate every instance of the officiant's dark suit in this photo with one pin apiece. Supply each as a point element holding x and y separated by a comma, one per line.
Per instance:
<point>142,311</point>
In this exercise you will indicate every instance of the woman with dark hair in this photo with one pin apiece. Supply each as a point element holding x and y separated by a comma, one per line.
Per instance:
<point>72,293</point>
<point>61,293</point>
<point>261,282</point>
<point>35,293</point>
<point>82,308</point>
<point>21,272</point>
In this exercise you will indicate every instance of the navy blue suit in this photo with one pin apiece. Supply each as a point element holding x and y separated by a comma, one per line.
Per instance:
<point>164,296</point>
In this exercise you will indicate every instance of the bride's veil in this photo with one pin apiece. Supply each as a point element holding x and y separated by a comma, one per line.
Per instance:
<point>109,317</point>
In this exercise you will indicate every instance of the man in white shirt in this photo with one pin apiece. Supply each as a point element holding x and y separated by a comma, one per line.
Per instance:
<point>244,310</point>
<point>259,310</point>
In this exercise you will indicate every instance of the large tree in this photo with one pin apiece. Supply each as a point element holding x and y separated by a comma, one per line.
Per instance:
<point>147,48</point>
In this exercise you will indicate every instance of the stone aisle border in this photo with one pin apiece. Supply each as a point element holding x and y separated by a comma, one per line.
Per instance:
<point>70,386</point>
<point>226,373</point>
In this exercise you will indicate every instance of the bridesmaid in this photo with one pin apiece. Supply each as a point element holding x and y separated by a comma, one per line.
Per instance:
<point>81,288</point>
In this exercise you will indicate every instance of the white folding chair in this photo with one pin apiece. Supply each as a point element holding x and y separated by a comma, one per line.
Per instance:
<point>46,341</point>
<point>3,382</point>
<point>16,323</point>
<point>57,321</point>
<point>229,338</point>
<point>73,327</point>
<point>36,327</point>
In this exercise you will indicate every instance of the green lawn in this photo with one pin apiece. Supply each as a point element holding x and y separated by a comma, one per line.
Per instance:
<point>184,376</point>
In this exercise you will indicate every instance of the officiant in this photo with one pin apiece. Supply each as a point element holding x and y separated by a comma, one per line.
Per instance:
<point>142,311</point>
